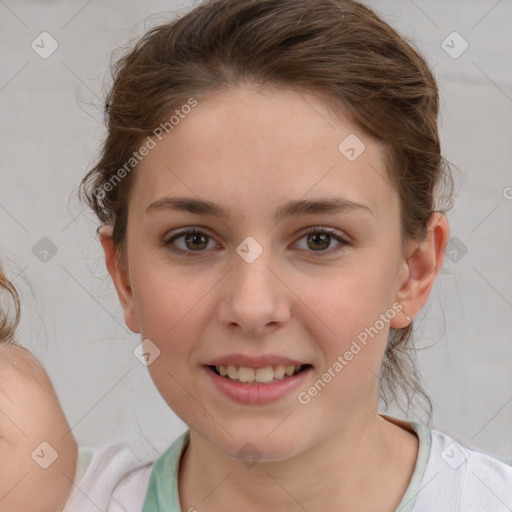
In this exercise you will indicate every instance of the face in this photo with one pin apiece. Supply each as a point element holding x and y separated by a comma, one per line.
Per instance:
<point>255,284</point>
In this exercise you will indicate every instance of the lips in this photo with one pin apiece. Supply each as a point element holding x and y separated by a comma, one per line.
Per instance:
<point>257,393</point>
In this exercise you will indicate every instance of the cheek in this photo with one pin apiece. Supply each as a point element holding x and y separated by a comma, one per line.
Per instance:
<point>171,311</point>
<point>345,303</point>
<point>342,315</point>
<point>164,300</point>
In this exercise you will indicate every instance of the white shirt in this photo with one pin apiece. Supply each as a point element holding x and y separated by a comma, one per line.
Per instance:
<point>109,479</point>
<point>448,477</point>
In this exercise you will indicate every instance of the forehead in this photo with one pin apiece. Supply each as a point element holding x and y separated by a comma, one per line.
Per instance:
<point>252,148</point>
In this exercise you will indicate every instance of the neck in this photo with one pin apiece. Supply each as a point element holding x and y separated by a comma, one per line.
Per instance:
<point>364,464</point>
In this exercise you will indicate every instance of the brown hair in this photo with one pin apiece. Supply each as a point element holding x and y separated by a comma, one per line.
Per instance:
<point>338,48</point>
<point>8,322</point>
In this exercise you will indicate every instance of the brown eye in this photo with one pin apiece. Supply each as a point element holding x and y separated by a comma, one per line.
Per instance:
<point>319,239</point>
<point>193,241</point>
<point>196,240</point>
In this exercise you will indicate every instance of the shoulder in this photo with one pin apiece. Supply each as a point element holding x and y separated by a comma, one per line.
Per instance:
<point>113,479</point>
<point>108,476</point>
<point>459,477</point>
<point>38,452</point>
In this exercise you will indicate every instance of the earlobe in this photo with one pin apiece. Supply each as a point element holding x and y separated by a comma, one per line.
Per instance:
<point>120,277</point>
<point>420,270</point>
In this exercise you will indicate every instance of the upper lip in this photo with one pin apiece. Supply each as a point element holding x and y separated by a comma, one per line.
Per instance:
<point>254,361</point>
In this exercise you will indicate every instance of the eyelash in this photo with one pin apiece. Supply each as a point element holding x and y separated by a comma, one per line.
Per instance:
<point>312,230</point>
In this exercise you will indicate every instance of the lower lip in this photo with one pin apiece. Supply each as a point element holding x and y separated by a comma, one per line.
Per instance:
<point>257,393</point>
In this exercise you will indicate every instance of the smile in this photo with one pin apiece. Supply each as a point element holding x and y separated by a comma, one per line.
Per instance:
<point>264,375</point>
<point>251,391</point>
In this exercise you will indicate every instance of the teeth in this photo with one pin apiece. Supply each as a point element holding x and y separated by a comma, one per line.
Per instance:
<point>261,375</point>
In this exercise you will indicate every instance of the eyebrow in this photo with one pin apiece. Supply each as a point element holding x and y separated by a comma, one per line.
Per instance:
<point>291,208</point>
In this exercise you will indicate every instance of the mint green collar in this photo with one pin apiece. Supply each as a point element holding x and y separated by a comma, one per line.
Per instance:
<point>425,441</point>
<point>163,495</point>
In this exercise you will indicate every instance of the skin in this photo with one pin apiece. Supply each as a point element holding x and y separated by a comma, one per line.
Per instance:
<point>251,151</point>
<point>30,414</point>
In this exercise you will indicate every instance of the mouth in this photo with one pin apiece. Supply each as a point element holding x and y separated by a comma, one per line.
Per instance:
<point>258,376</point>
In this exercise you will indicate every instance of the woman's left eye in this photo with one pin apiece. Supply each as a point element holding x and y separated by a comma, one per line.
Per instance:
<point>323,237</point>
<point>316,237</point>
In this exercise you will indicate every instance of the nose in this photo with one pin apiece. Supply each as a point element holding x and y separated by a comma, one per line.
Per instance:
<point>253,297</point>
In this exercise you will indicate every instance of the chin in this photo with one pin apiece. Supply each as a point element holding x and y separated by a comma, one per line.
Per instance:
<point>253,446</point>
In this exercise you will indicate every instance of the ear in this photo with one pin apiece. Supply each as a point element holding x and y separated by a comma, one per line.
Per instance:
<point>420,269</point>
<point>121,278</point>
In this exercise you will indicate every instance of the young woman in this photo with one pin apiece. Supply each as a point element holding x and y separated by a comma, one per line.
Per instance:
<point>270,198</point>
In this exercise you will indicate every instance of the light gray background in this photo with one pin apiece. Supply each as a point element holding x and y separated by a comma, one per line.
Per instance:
<point>51,128</point>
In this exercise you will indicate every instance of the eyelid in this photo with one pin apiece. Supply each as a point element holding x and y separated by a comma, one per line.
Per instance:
<point>183,231</point>
<point>330,231</point>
